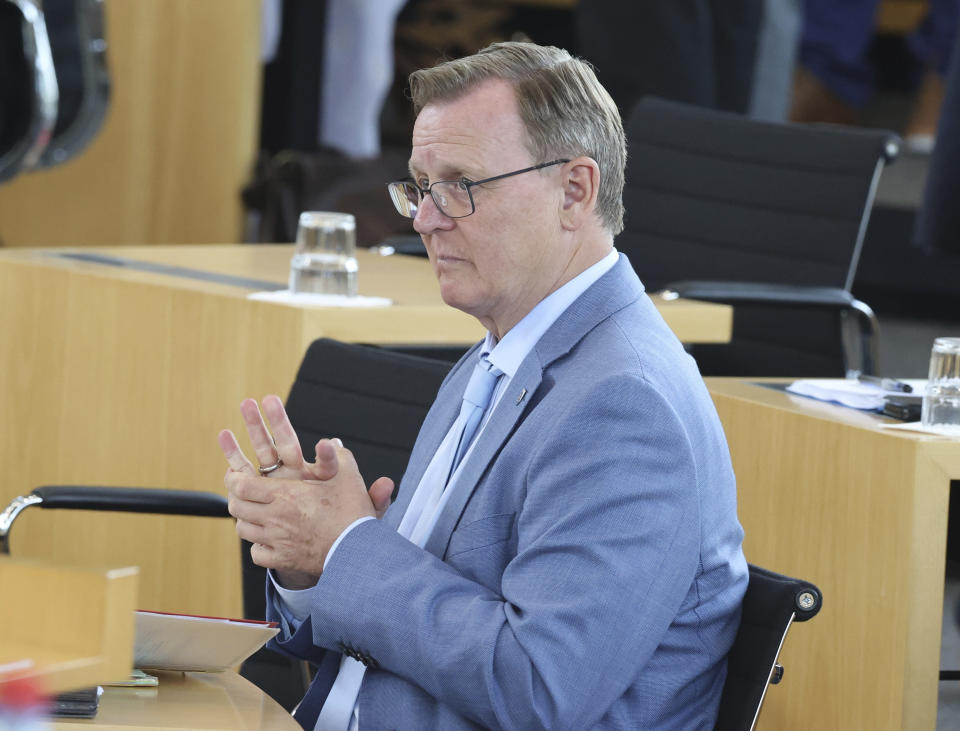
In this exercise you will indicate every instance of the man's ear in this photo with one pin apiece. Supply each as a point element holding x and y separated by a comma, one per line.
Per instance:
<point>581,183</point>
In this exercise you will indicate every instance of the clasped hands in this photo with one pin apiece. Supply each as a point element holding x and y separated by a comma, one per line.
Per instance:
<point>293,516</point>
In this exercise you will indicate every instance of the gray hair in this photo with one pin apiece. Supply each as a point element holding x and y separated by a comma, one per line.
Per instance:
<point>564,109</point>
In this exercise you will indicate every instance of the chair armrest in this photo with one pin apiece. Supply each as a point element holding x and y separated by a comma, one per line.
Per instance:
<point>791,295</point>
<point>132,500</point>
<point>807,598</point>
<point>117,499</point>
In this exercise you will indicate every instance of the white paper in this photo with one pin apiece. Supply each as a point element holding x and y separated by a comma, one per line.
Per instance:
<point>941,431</point>
<point>308,299</point>
<point>851,392</point>
<point>185,642</point>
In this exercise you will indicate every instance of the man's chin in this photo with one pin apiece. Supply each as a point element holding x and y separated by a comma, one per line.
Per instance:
<point>456,299</point>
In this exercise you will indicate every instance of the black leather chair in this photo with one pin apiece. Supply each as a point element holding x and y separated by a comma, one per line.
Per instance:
<point>28,86</point>
<point>772,603</point>
<point>54,84</point>
<point>767,217</point>
<point>374,400</point>
<point>77,32</point>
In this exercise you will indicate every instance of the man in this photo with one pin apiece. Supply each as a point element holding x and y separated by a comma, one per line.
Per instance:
<point>577,565</point>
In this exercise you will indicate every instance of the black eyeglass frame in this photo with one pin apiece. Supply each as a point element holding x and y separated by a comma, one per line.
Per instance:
<point>468,184</point>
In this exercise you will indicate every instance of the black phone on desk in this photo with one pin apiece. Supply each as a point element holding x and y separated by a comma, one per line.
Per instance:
<point>905,407</point>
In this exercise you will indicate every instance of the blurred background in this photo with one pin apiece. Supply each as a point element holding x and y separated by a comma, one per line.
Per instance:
<point>219,121</point>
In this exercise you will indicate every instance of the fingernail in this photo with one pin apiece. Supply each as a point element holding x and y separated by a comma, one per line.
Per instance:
<point>336,440</point>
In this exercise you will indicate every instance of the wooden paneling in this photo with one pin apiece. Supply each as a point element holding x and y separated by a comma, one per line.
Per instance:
<point>826,495</point>
<point>178,142</point>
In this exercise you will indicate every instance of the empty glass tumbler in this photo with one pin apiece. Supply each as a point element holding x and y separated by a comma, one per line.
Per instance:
<point>941,398</point>
<point>324,258</point>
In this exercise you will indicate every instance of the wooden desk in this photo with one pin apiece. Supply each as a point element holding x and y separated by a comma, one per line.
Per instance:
<point>187,701</point>
<point>826,495</point>
<point>115,376</point>
<point>64,626</point>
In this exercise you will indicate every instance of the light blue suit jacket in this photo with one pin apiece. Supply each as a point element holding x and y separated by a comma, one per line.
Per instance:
<point>586,573</point>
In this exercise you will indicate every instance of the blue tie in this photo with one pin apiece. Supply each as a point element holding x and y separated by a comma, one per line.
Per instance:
<point>476,399</point>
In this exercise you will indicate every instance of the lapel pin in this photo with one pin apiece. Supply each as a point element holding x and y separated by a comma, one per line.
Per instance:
<point>520,397</point>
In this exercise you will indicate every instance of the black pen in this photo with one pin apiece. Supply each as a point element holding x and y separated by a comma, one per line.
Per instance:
<point>887,384</point>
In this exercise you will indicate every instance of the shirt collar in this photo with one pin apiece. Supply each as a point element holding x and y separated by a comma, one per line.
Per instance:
<point>509,352</point>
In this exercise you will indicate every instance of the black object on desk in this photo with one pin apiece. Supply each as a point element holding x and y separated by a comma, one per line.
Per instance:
<point>905,408</point>
<point>77,703</point>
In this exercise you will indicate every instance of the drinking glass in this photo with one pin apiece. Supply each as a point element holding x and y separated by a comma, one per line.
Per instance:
<point>324,258</point>
<point>941,398</point>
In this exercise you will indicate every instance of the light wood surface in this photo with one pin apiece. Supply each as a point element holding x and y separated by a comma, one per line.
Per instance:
<point>112,376</point>
<point>195,701</point>
<point>826,495</point>
<point>178,143</point>
<point>74,625</point>
<point>417,317</point>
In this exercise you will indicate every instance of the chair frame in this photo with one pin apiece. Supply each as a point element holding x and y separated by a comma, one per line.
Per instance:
<point>773,602</point>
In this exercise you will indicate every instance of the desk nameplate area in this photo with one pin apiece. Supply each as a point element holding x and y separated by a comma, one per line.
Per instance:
<point>138,265</point>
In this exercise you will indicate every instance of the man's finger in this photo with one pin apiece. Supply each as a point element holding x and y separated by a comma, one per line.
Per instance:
<point>263,447</point>
<point>328,464</point>
<point>284,436</point>
<point>231,450</point>
<point>263,555</point>
<point>345,457</point>
<point>244,486</point>
<point>246,510</point>
<point>380,492</point>
<point>251,532</point>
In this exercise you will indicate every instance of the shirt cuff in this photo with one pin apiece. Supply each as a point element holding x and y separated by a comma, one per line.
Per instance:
<point>294,603</point>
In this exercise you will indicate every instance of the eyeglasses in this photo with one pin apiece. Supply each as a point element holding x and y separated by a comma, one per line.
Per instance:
<point>452,197</point>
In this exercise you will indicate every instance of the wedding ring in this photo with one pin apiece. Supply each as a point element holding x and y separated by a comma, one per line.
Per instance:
<point>270,468</point>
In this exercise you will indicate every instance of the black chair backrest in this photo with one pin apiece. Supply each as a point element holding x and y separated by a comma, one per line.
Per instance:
<point>772,602</point>
<point>373,399</point>
<point>717,196</point>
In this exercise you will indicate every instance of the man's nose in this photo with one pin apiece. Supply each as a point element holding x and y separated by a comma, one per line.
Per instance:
<point>429,217</point>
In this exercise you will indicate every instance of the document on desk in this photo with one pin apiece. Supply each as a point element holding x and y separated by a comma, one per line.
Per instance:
<point>850,392</point>
<point>188,642</point>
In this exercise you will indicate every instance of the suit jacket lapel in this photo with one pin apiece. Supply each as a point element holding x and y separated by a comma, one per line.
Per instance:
<point>502,421</point>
